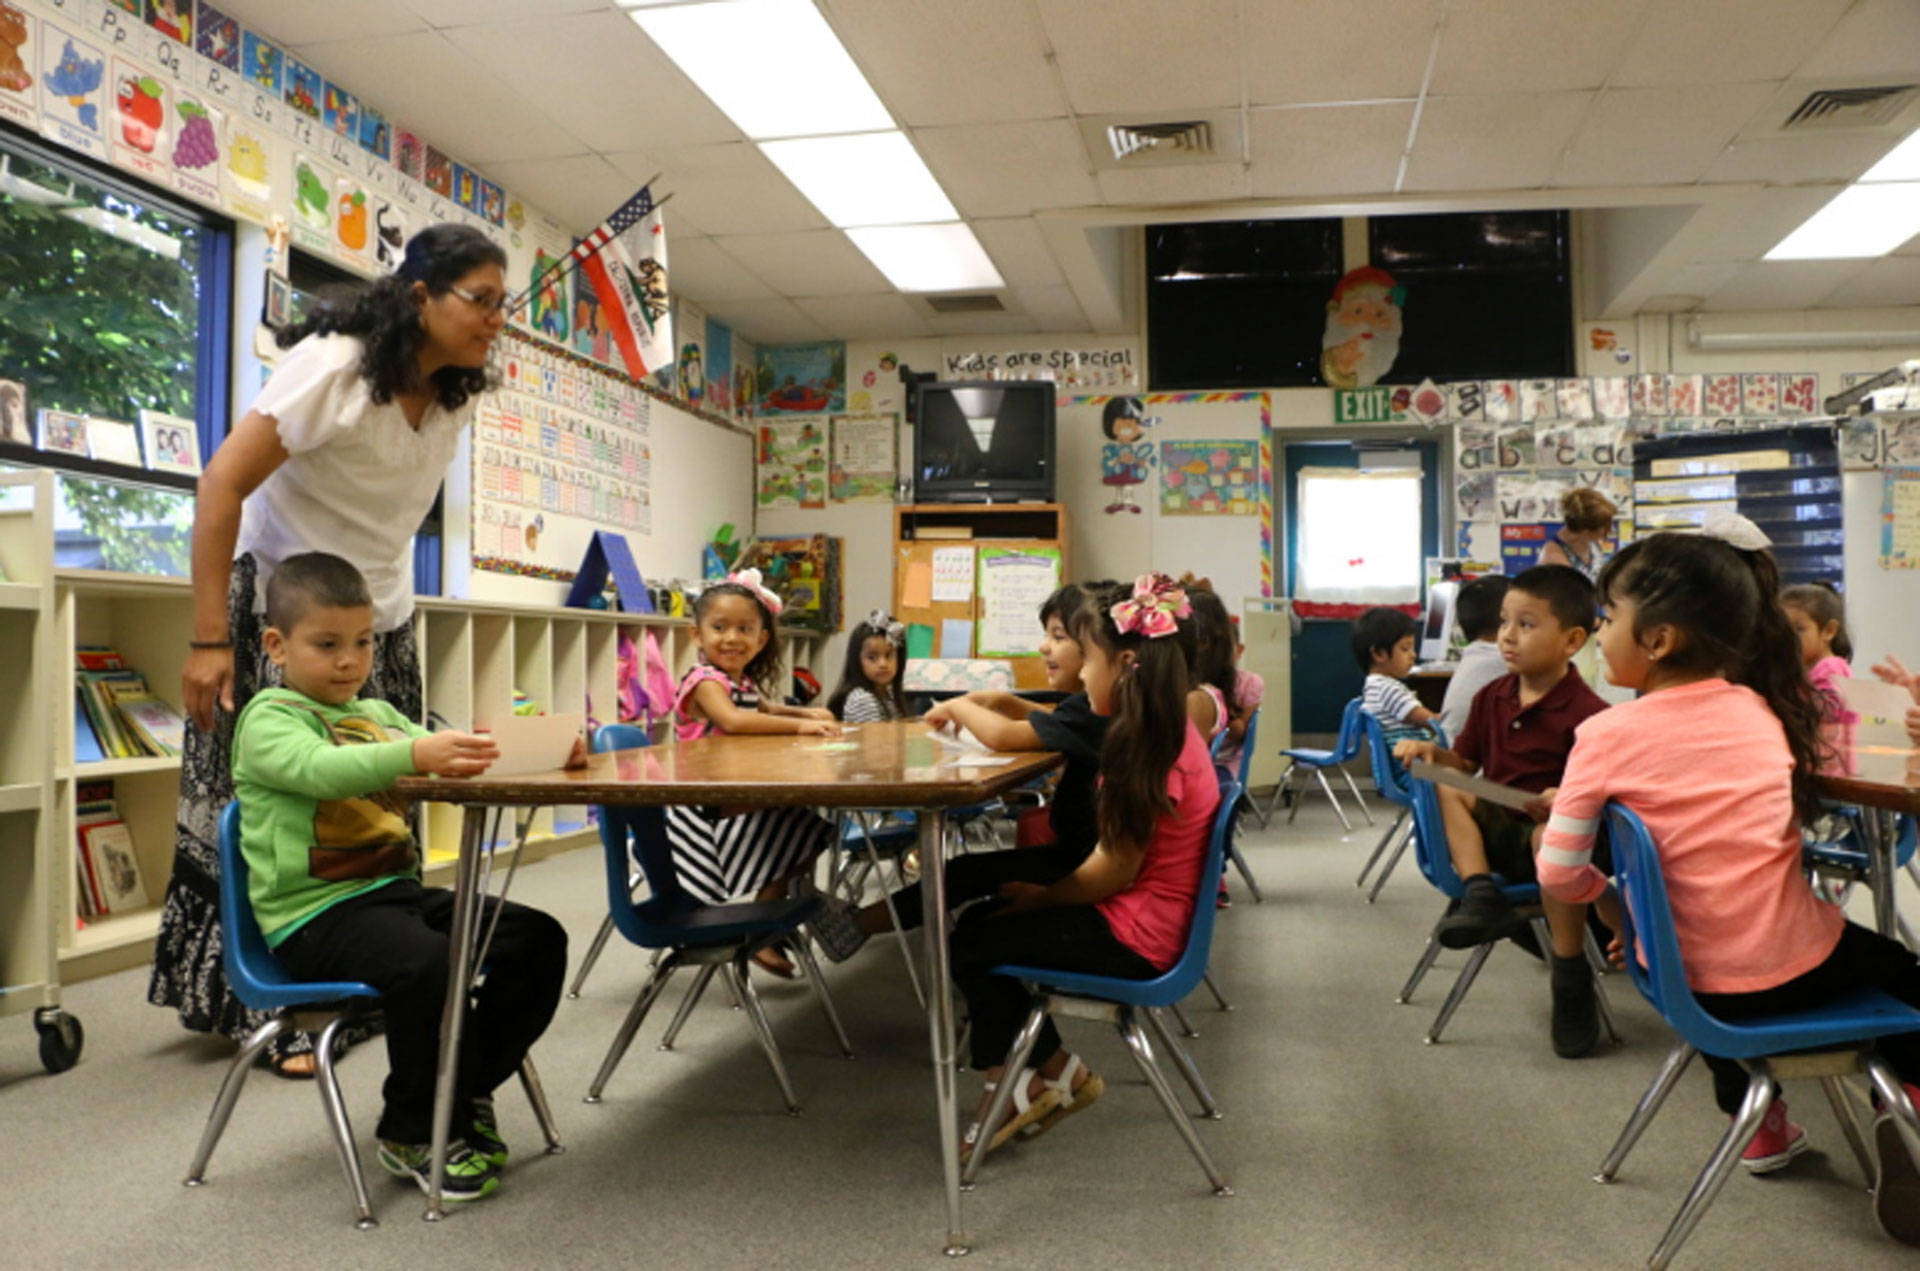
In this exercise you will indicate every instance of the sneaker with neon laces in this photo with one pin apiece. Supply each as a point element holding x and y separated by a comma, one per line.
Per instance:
<point>469,1175</point>
<point>483,1133</point>
<point>1777,1141</point>
<point>1896,1183</point>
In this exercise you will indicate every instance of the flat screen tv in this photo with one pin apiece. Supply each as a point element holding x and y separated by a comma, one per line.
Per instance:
<point>983,441</point>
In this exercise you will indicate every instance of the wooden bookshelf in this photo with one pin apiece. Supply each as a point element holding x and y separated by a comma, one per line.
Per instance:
<point>29,860</point>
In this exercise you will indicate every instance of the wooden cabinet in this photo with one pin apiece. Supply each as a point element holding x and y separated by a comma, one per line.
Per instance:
<point>921,531</point>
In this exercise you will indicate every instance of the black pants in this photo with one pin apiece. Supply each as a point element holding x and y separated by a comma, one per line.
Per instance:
<point>1863,959</point>
<point>395,939</point>
<point>973,877</point>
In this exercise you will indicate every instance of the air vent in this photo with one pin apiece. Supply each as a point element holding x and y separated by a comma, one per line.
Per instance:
<point>1138,140</point>
<point>979,302</point>
<point>1827,109</point>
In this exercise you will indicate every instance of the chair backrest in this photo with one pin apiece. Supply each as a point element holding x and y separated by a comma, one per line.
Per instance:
<point>1388,777</point>
<point>1430,839</point>
<point>253,973</point>
<point>1184,976</point>
<point>1347,744</point>
<point>629,834</point>
<point>1246,747</point>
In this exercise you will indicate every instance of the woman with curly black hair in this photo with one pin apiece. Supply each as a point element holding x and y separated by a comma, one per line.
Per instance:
<point>343,452</point>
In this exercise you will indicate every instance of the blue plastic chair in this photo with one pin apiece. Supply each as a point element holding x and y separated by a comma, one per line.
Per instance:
<point>1769,1047</point>
<point>868,835</point>
<point>1124,1003</point>
<point>1842,862</point>
<point>689,933</point>
<point>1436,864</point>
<point>1346,746</point>
<point>1239,778</point>
<point>261,984</point>
<point>1391,782</point>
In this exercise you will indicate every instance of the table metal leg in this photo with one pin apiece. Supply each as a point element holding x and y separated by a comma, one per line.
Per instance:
<point>453,1013</point>
<point>1880,869</point>
<point>933,902</point>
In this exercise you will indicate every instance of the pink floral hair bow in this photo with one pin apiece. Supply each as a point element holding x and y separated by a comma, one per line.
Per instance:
<point>1155,608</point>
<point>750,579</point>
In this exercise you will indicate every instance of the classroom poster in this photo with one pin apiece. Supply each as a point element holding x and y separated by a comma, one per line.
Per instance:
<point>1013,583</point>
<point>1520,546</point>
<point>863,458</point>
<point>792,468</point>
<point>690,362</point>
<point>719,367</point>
<point>19,66</point>
<point>802,378</point>
<point>1209,478</point>
<point>1900,519</point>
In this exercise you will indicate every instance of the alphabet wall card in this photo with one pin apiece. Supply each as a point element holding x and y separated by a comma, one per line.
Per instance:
<point>1860,444</point>
<point>19,69</point>
<point>1611,397</point>
<point>217,38</point>
<point>73,97</point>
<point>1576,399</point>
<point>1538,400</point>
<point>141,106</point>
<point>1502,400</point>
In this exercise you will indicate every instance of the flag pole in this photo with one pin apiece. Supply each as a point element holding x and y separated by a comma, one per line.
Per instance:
<point>570,259</point>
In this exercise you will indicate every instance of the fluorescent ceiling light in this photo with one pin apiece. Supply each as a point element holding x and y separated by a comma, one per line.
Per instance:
<point>774,67</point>
<point>1902,163</point>
<point>928,257</point>
<point>870,178</point>
<point>1861,221</point>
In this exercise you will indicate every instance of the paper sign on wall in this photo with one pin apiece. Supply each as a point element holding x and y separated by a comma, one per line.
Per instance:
<point>1013,585</point>
<point>952,574</point>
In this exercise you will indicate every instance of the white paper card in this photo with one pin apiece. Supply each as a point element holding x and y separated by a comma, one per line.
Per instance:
<point>953,575</point>
<point>533,743</point>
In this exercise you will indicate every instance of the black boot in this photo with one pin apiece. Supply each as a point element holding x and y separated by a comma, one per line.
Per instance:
<point>1576,1008</point>
<point>1485,914</point>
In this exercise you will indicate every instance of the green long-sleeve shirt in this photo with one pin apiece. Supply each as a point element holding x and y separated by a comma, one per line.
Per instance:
<point>318,821</point>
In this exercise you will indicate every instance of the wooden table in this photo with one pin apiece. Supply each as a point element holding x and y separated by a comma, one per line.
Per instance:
<point>891,765</point>
<point>1883,781</point>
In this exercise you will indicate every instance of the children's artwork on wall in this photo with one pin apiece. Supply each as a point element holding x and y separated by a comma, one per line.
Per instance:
<point>1209,478</point>
<point>410,155</point>
<point>19,38</point>
<point>719,367</point>
<point>304,88</point>
<point>171,443</point>
<point>63,432</point>
<point>1362,335</point>
<point>466,188</point>
<point>547,307</point>
<point>263,63</point>
<point>863,458</point>
<point>591,338</point>
<point>690,377</point>
<point>340,111</point>
<point>792,464</point>
<point>437,173</point>
<point>216,37</point>
<point>691,373</point>
<point>73,98</point>
<point>1125,457</point>
<point>16,425</point>
<point>172,18</point>
<point>803,378</point>
<point>1900,519</point>
<point>376,137</point>
<point>493,203</point>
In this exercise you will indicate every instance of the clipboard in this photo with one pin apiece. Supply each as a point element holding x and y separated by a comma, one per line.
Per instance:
<point>1479,787</point>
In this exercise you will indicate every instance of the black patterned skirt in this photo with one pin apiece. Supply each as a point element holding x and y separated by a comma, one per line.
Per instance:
<point>188,974</point>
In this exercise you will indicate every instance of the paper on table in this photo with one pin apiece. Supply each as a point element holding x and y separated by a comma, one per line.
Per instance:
<point>975,761</point>
<point>533,743</point>
<point>959,738</point>
<point>956,638</point>
<point>916,591</point>
<point>1478,787</point>
<point>1875,700</point>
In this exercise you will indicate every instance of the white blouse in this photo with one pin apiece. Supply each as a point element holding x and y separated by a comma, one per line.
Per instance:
<point>358,478</point>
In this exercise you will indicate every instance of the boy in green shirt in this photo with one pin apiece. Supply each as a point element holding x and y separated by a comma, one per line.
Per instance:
<point>334,872</point>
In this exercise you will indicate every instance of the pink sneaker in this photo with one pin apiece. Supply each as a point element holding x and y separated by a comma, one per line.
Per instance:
<point>1776,1142</point>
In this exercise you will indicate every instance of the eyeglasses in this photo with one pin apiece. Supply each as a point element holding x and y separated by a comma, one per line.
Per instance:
<point>489,304</point>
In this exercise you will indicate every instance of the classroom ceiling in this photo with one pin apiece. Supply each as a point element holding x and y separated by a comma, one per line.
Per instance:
<point>1660,119</point>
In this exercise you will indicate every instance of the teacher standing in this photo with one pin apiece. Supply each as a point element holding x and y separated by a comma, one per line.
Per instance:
<point>1586,519</point>
<point>342,452</point>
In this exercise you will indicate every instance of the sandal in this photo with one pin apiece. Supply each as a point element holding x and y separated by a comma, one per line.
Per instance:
<point>771,961</point>
<point>1071,1100</point>
<point>1024,1113</point>
<point>298,1066</point>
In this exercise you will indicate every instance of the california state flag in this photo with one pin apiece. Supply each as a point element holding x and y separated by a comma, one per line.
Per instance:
<point>626,260</point>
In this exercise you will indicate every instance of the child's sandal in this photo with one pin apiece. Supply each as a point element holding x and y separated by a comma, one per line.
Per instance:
<point>1071,1100</point>
<point>1024,1112</point>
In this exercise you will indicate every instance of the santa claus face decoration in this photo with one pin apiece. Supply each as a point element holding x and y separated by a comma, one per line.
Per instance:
<point>1362,337</point>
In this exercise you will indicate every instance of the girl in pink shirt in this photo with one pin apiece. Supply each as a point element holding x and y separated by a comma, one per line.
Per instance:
<point>1125,910</point>
<point>1819,622</point>
<point>1718,757</point>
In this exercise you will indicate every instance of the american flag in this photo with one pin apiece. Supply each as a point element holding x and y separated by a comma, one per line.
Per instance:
<point>624,218</point>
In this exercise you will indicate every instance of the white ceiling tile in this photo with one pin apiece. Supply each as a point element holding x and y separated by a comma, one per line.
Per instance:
<point>1517,46</point>
<point>1746,226</point>
<point>1144,55</point>
<point>1837,156</point>
<point>1334,50</point>
<point>775,321</point>
<point>703,269</point>
<point>1657,136</point>
<point>1876,37</point>
<point>1508,141</point>
<point>1020,251</point>
<point>600,77</point>
<point>1724,41</point>
<point>577,190</point>
<point>455,13</point>
<point>1175,183</point>
<point>1003,74</point>
<point>1330,150</point>
<point>1701,278</point>
<point>423,82</point>
<point>726,189</point>
<point>1889,281</point>
<point>1009,169</point>
<point>1053,309</point>
<point>1782,284</point>
<point>888,316</point>
<point>821,262</point>
<point>304,24</point>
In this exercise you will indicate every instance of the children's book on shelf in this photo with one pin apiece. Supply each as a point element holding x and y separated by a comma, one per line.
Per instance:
<point>94,805</point>
<point>126,718</point>
<point>116,870</point>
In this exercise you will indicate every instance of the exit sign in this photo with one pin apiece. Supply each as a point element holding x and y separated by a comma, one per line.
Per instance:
<point>1362,405</point>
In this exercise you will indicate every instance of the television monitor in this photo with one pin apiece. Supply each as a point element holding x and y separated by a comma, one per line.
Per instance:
<point>983,441</point>
<point>1436,627</point>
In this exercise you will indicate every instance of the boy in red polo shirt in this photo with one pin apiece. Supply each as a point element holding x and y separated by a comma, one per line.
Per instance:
<point>1519,732</point>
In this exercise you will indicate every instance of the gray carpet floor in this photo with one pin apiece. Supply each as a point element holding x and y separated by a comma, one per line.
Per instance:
<point>1349,1143</point>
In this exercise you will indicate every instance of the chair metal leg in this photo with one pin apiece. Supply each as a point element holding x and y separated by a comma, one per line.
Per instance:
<point>893,916</point>
<point>1597,963</point>
<point>336,1112</point>
<point>1142,1051</point>
<point>1428,957</point>
<point>689,1000</point>
<point>1186,1025</point>
<point>1320,775</point>
<point>593,956</point>
<point>1713,1176</point>
<point>536,1094</point>
<point>1843,1111</point>
<point>1246,874</point>
<point>1010,1070</point>
<point>1379,849</point>
<point>1893,1096</point>
<point>1643,1112</point>
<point>636,1015</point>
<point>1255,807</point>
<point>1209,1106</point>
<point>818,983</point>
<point>1348,778</point>
<point>1286,788</point>
<point>1468,973</point>
<point>762,1031</point>
<point>236,1077</point>
<point>1393,863</point>
<point>1214,989</point>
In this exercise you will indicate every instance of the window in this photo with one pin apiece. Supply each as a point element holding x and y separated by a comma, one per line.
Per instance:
<point>1359,536</point>
<point>113,300</point>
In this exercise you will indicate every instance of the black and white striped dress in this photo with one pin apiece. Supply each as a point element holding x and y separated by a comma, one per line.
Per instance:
<point>723,858</point>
